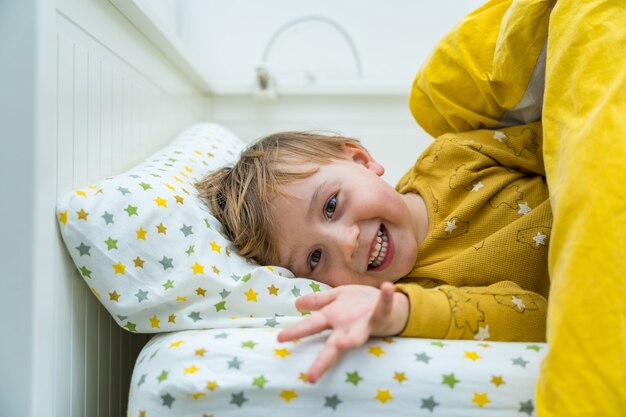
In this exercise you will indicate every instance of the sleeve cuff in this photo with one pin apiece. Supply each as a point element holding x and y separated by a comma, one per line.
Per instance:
<point>429,312</point>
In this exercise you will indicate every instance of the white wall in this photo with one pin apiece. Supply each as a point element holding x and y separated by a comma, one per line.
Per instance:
<point>393,37</point>
<point>83,95</point>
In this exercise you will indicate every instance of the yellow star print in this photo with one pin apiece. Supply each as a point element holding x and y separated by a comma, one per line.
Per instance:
<point>197,395</point>
<point>171,318</point>
<point>63,217</point>
<point>383,395</point>
<point>201,291</point>
<point>497,380</point>
<point>481,399</point>
<point>472,355</point>
<point>119,268</point>
<point>141,234</point>
<point>215,247</point>
<point>161,202</point>
<point>283,353</point>
<point>171,187</point>
<point>114,296</point>
<point>212,385</point>
<point>288,395</point>
<point>216,270</point>
<point>303,378</point>
<point>272,290</point>
<point>192,369</point>
<point>200,352</point>
<point>376,351</point>
<point>138,262</point>
<point>176,344</point>
<point>161,229</point>
<point>197,268</point>
<point>82,215</point>
<point>181,298</point>
<point>81,193</point>
<point>399,376</point>
<point>154,322</point>
<point>179,199</point>
<point>251,295</point>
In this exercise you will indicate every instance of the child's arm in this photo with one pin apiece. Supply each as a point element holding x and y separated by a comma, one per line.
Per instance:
<point>353,313</point>
<point>502,312</point>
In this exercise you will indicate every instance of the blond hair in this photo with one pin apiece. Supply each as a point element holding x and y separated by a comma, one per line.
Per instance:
<point>240,196</point>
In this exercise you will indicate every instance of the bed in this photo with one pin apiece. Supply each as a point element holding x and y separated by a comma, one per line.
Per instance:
<point>153,255</point>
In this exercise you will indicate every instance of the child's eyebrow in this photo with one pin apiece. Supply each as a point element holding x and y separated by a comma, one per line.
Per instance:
<point>315,195</point>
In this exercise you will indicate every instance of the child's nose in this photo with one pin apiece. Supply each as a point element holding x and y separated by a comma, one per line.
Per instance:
<point>348,242</point>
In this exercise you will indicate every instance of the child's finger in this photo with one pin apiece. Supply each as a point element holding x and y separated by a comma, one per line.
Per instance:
<point>316,301</point>
<point>339,341</point>
<point>324,361</point>
<point>313,324</point>
<point>384,306</point>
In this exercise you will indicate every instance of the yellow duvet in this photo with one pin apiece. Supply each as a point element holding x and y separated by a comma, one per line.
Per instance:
<point>512,62</point>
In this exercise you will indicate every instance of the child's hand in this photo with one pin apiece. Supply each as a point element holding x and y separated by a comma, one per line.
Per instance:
<point>354,313</point>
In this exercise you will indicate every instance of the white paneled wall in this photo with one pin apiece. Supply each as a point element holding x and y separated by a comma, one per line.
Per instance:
<point>104,100</point>
<point>110,117</point>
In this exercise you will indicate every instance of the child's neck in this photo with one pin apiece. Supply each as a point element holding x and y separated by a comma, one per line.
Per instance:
<point>419,211</point>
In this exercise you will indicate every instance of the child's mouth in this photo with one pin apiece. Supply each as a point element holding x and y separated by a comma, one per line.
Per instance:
<point>379,250</point>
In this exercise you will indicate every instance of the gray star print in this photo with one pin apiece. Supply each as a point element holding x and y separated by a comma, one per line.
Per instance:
<point>186,230</point>
<point>271,322</point>
<point>195,316</point>
<point>167,400</point>
<point>108,218</point>
<point>141,295</point>
<point>238,399</point>
<point>422,357</point>
<point>235,363</point>
<point>520,362</point>
<point>526,407</point>
<point>83,249</point>
<point>429,403</point>
<point>166,262</point>
<point>332,402</point>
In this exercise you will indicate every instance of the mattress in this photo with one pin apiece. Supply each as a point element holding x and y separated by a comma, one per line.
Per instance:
<point>247,372</point>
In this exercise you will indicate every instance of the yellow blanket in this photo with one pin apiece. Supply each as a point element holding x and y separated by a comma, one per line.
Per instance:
<point>489,72</point>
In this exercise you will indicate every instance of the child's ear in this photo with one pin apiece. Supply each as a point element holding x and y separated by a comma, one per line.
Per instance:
<point>359,155</point>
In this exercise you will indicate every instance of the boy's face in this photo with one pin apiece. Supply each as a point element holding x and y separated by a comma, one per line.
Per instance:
<point>346,225</point>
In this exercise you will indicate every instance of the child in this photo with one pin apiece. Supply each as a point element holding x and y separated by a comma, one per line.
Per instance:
<point>463,236</point>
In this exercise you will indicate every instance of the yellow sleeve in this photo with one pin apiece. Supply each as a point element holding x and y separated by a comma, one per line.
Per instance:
<point>585,154</point>
<point>499,312</point>
<point>485,72</point>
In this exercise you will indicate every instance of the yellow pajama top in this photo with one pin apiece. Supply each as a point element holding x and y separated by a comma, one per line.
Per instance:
<point>481,273</point>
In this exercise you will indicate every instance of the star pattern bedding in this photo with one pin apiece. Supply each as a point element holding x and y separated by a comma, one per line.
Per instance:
<point>246,372</point>
<point>152,253</point>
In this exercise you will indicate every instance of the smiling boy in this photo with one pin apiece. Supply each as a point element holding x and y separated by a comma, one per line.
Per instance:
<point>457,250</point>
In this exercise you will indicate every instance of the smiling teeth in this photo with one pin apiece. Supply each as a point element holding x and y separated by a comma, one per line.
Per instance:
<point>380,250</point>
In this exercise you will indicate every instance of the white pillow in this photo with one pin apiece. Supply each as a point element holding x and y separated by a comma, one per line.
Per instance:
<point>152,253</point>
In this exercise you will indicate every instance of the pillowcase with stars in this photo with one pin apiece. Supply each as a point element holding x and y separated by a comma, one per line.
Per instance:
<point>152,253</point>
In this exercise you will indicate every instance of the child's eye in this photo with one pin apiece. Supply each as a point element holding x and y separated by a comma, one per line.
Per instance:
<point>330,207</point>
<point>315,258</point>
